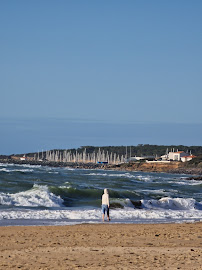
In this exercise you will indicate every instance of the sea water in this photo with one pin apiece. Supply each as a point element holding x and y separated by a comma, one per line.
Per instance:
<point>39,195</point>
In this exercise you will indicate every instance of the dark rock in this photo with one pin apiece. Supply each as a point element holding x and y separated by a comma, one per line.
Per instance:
<point>137,204</point>
<point>198,178</point>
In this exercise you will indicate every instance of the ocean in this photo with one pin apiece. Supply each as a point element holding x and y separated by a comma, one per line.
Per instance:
<point>42,195</point>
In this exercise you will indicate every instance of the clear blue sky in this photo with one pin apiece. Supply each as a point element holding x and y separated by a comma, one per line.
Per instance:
<point>99,65</point>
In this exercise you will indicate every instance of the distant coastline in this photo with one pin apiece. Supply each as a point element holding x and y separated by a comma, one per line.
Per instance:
<point>142,157</point>
<point>172,167</point>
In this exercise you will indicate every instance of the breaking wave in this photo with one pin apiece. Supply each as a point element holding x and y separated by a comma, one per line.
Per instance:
<point>38,196</point>
<point>16,170</point>
<point>172,204</point>
<point>125,175</point>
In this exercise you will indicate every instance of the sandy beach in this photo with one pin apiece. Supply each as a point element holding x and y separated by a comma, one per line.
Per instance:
<point>102,246</point>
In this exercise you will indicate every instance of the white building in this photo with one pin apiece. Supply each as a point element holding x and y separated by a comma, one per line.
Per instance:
<point>23,158</point>
<point>187,158</point>
<point>164,157</point>
<point>176,155</point>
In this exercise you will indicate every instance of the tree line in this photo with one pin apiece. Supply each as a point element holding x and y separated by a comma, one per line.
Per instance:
<point>138,150</point>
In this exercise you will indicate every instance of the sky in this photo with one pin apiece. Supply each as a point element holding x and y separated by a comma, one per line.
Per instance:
<point>91,72</point>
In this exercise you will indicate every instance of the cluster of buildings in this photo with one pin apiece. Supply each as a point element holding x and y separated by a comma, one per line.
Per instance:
<point>168,157</point>
<point>178,156</point>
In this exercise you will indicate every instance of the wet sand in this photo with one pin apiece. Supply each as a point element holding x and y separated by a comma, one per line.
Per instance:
<point>102,246</point>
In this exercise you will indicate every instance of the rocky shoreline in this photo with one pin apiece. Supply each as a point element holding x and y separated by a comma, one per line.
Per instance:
<point>74,165</point>
<point>172,167</point>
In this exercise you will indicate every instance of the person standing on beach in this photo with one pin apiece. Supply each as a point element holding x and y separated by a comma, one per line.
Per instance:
<point>105,205</point>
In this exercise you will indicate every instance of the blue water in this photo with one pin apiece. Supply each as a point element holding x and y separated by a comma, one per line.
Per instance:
<point>45,195</point>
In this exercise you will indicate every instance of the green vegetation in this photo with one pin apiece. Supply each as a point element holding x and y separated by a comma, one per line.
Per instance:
<point>144,149</point>
<point>139,150</point>
<point>195,162</point>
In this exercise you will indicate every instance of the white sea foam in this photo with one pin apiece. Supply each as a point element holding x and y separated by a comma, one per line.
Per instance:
<point>184,181</point>
<point>37,196</point>
<point>7,164</point>
<point>170,203</point>
<point>69,169</point>
<point>29,166</point>
<point>65,187</point>
<point>189,183</point>
<point>94,215</point>
<point>20,165</point>
<point>125,175</point>
<point>4,170</point>
<point>16,170</point>
<point>3,164</point>
<point>195,183</point>
<point>144,178</point>
<point>97,174</point>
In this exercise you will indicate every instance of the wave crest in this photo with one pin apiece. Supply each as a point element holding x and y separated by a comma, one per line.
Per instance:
<point>37,196</point>
<point>171,203</point>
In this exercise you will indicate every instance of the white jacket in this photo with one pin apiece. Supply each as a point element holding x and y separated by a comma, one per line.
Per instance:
<point>105,197</point>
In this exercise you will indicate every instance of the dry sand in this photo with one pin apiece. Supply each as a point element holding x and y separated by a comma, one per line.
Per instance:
<point>102,246</point>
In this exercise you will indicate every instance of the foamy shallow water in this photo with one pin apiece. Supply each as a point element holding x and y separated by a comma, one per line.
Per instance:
<point>69,217</point>
<point>36,195</point>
